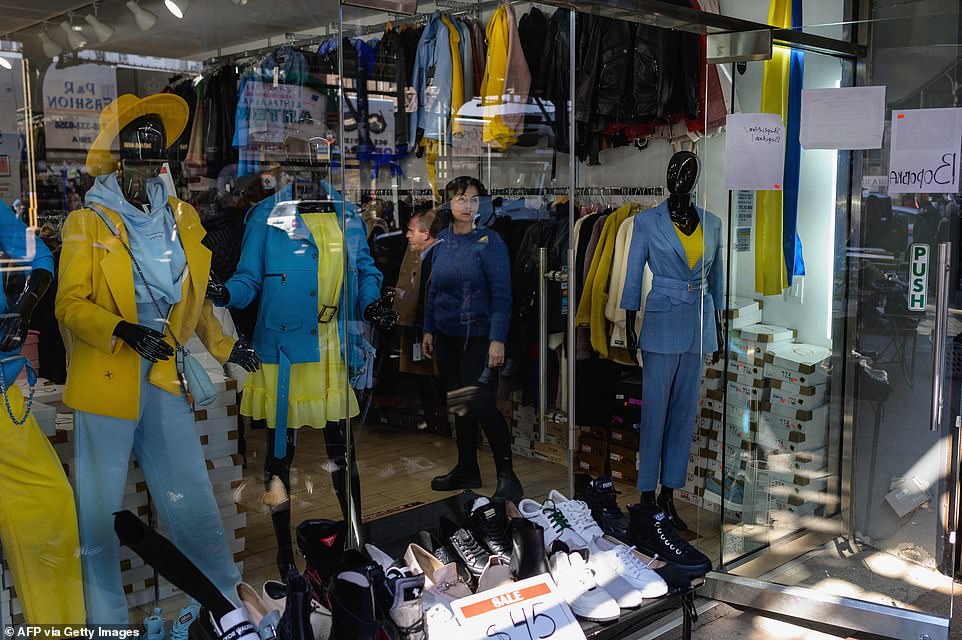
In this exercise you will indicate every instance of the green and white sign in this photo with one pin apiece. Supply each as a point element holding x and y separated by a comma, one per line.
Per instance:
<point>918,276</point>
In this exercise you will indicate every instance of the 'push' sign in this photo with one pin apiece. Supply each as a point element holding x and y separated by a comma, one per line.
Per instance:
<point>918,276</point>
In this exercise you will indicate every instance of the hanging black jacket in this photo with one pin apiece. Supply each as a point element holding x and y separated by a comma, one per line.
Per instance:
<point>220,106</point>
<point>553,83</point>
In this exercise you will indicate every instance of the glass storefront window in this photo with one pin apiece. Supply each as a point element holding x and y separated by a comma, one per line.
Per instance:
<point>326,306</point>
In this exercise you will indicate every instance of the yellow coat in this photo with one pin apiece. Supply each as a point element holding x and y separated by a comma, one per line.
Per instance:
<point>95,292</point>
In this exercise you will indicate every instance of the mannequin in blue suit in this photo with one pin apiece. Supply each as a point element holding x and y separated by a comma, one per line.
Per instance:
<point>682,323</point>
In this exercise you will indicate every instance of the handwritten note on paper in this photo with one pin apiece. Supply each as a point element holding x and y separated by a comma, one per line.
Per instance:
<point>754,151</point>
<point>846,118</point>
<point>925,151</point>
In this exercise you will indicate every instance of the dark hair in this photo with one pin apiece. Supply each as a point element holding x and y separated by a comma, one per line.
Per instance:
<point>427,221</point>
<point>460,185</point>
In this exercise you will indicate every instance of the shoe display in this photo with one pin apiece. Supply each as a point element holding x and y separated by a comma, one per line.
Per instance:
<point>457,479</point>
<point>527,549</point>
<point>649,531</point>
<point>274,594</point>
<point>180,630</point>
<point>465,547</point>
<point>441,580</point>
<point>667,503</point>
<point>601,497</point>
<point>576,582</point>
<point>606,557</point>
<point>353,610</point>
<point>554,523</point>
<point>490,527</point>
<point>321,542</point>
<point>496,574</point>
<point>264,618</point>
<point>154,625</point>
<point>578,515</point>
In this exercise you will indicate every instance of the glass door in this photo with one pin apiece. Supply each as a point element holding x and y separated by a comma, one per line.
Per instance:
<point>836,475</point>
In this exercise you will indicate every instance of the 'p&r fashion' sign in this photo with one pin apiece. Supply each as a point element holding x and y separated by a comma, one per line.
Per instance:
<point>925,152</point>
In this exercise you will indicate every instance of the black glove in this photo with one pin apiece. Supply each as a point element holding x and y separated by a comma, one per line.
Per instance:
<point>244,356</point>
<point>15,324</point>
<point>144,340</point>
<point>381,315</point>
<point>217,292</point>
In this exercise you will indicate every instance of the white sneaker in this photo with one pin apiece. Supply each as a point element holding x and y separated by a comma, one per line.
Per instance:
<point>554,523</point>
<point>621,560</point>
<point>576,582</point>
<point>578,515</point>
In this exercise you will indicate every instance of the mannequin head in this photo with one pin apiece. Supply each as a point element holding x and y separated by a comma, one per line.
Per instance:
<point>143,149</point>
<point>682,173</point>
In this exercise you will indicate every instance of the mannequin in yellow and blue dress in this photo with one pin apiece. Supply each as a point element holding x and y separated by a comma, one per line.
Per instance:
<point>309,315</point>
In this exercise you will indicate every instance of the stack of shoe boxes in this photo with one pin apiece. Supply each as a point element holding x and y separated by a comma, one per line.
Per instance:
<point>592,457</point>
<point>794,426</point>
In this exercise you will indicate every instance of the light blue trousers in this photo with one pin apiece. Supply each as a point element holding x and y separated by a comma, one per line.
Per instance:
<point>168,450</point>
<point>669,403</point>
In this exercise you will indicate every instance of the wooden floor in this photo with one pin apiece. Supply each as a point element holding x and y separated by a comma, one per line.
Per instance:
<point>396,469</point>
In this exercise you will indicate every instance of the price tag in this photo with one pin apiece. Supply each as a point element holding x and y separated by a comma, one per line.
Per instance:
<point>531,609</point>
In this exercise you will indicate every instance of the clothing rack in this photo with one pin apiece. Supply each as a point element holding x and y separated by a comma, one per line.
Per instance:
<point>532,191</point>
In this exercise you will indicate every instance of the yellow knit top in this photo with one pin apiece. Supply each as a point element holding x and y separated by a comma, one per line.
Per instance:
<point>694,245</point>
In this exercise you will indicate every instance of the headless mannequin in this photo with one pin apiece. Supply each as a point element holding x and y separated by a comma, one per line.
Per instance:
<point>143,145</point>
<point>310,169</point>
<point>682,175</point>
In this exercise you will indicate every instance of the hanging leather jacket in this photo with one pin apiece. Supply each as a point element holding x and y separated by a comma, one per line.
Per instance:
<point>553,82</point>
<point>645,70</point>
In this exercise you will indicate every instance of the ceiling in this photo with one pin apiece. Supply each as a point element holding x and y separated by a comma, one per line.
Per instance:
<point>208,25</point>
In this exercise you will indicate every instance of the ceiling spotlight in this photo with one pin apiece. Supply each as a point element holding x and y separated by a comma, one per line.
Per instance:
<point>75,38</point>
<point>177,7</point>
<point>101,30</point>
<point>239,2</point>
<point>5,63</point>
<point>50,48</point>
<point>144,19</point>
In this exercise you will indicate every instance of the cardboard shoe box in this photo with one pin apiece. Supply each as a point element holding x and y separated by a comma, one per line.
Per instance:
<point>799,363</point>
<point>807,398</point>
<point>590,463</point>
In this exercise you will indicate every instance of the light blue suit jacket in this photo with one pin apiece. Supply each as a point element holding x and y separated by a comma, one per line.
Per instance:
<point>680,308</point>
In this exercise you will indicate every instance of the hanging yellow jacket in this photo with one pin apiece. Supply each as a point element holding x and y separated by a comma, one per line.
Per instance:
<point>496,132</point>
<point>457,74</point>
<point>771,276</point>
<point>602,280</point>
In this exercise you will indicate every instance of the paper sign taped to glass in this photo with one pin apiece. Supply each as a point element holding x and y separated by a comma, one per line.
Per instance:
<point>925,151</point>
<point>754,151</point>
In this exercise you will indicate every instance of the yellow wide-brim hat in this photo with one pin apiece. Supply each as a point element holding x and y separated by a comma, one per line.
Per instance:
<point>170,108</point>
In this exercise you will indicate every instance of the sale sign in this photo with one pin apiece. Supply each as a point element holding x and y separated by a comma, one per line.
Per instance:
<point>522,610</point>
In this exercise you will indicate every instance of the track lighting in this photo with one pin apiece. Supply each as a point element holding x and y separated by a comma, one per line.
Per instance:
<point>5,63</point>
<point>50,48</point>
<point>144,19</point>
<point>177,7</point>
<point>101,30</point>
<point>75,37</point>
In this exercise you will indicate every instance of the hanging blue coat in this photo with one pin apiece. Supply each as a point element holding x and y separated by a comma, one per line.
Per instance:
<point>279,262</point>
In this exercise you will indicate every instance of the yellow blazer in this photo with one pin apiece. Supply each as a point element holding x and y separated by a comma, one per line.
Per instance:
<point>95,292</point>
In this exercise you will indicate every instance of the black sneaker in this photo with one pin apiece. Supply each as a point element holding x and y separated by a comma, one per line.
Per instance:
<point>600,496</point>
<point>430,544</point>
<point>464,545</point>
<point>490,527</point>
<point>650,533</point>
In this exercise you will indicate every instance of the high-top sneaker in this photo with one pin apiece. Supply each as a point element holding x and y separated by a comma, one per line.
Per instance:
<point>528,558</point>
<point>353,609</point>
<point>154,625</point>
<point>405,589</point>
<point>601,497</point>
<point>295,622</point>
<point>465,547</point>
<point>490,527</point>
<point>322,544</point>
<point>180,630</point>
<point>649,531</point>
<point>667,503</point>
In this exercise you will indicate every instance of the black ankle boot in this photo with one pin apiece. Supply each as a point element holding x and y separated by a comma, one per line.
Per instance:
<point>509,487</point>
<point>527,549</point>
<point>667,503</point>
<point>353,613</point>
<point>458,478</point>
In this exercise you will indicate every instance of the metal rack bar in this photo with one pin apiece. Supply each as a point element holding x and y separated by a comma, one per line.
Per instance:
<point>534,191</point>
